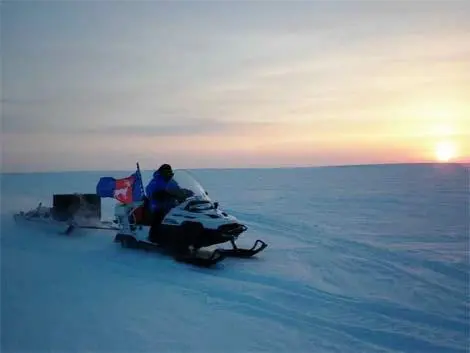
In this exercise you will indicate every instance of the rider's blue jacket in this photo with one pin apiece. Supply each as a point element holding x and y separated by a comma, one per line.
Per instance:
<point>159,184</point>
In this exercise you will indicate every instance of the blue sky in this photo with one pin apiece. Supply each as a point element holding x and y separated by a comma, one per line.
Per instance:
<point>101,84</point>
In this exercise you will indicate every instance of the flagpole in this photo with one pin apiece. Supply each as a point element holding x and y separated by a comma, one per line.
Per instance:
<point>140,177</point>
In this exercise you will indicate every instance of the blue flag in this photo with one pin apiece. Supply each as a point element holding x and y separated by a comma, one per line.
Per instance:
<point>125,190</point>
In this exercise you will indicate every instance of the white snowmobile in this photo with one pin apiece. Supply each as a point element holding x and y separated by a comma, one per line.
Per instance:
<point>193,224</point>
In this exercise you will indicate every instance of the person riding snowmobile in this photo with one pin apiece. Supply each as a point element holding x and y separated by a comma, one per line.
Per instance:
<point>163,192</point>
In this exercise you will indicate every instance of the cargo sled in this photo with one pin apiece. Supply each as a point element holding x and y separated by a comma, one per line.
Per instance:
<point>68,212</point>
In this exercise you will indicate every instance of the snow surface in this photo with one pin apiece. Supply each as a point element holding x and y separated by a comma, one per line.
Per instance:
<point>360,259</point>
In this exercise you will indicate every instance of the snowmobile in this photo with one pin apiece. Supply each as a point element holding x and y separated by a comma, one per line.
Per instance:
<point>191,226</point>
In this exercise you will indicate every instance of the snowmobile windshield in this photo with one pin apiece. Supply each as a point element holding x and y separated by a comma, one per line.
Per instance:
<point>190,185</point>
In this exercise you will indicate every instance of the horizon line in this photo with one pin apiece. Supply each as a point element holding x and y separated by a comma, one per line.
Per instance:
<point>460,163</point>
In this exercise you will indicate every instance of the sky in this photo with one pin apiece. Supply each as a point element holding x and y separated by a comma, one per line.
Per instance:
<point>95,85</point>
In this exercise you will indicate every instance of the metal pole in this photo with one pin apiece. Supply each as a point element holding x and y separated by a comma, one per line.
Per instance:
<point>140,177</point>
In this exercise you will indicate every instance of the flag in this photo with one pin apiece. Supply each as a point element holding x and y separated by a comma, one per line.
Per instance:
<point>126,190</point>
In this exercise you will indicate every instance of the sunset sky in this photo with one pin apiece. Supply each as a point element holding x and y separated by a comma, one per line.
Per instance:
<point>102,84</point>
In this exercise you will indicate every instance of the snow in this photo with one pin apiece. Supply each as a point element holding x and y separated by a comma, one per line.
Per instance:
<point>360,259</point>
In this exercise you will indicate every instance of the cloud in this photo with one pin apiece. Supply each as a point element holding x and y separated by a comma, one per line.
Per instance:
<point>180,127</point>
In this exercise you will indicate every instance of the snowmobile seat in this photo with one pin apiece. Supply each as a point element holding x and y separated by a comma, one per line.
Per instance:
<point>142,214</point>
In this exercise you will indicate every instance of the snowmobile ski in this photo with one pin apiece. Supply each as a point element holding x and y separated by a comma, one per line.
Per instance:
<point>244,253</point>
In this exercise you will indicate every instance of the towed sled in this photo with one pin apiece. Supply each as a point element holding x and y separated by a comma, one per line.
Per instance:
<point>188,230</point>
<point>68,212</point>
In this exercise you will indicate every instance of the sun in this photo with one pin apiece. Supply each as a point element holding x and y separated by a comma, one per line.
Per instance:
<point>445,151</point>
